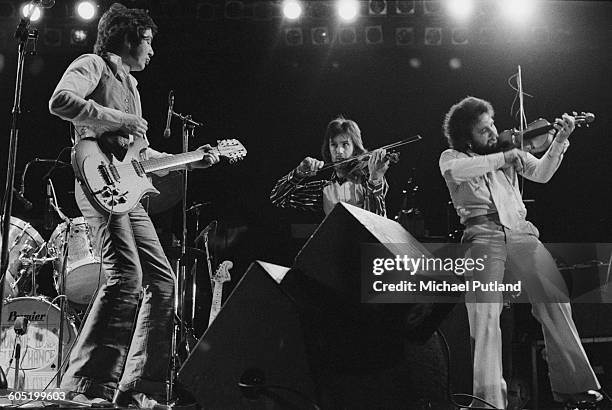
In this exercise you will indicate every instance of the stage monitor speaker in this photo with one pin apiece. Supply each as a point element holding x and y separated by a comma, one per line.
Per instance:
<point>256,339</point>
<point>328,270</point>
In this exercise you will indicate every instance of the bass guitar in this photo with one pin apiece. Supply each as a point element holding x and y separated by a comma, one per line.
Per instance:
<point>117,186</point>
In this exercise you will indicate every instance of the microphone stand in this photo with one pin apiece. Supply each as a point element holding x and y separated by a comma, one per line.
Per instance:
<point>22,34</point>
<point>179,303</point>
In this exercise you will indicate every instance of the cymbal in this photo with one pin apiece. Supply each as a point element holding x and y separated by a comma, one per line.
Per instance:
<point>174,252</point>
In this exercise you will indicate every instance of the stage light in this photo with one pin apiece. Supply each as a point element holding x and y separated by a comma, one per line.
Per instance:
<point>455,63</point>
<point>460,36</point>
<point>377,7</point>
<point>35,14</point>
<point>460,9</point>
<point>404,36</point>
<point>518,10</point>
<point>292,9</point>
<point>433,36</point>
<point>415,63</point>
<point>348,9</point>
<point>86,10</point>
<point>347,35</point>
<point>294,36</point>
<point>404,7</point>
<point>234,9</point>
<point>78,36</point>
<point>319,36</point>
<point>373,35</point>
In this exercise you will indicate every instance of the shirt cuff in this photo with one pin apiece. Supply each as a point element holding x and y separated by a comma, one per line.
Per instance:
<point>558,148</point>
<point>376,188</point>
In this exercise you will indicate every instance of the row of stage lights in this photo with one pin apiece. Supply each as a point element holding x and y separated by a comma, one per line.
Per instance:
<point>85,10</point>
<point>350,10</point>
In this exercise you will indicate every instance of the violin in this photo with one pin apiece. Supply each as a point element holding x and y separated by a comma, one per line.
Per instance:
<point>536,138</point>
<point>362,159</point>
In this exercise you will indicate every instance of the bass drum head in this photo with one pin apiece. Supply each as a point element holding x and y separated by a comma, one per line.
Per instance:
<point>38,362</point>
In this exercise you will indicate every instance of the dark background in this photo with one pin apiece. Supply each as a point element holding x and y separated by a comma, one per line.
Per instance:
<point>242,80</point>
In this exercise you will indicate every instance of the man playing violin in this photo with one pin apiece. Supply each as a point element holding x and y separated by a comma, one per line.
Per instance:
<point>481,177</point>
<point>352,182</point>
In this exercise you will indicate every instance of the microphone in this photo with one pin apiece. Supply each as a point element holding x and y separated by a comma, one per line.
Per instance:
<point>45,4</point>
<point>48,213</point>
<point>170,109</point>
<point>24,201</point>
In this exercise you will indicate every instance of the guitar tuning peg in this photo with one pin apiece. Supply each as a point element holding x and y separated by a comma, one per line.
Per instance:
<point>574,113</point>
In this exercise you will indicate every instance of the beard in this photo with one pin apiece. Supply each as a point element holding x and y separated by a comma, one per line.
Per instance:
<point>499,146</point>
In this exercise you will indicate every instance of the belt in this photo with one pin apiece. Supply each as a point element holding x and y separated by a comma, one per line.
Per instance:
<point>481,219</point>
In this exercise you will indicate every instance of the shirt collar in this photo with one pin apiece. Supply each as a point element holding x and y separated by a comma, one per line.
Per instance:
<point>116,65</point>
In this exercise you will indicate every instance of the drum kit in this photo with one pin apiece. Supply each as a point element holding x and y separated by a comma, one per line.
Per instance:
<point>29,355</point>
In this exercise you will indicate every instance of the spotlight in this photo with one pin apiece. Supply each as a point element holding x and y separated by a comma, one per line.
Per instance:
<point>518,10</point>
<point>404,36</point>
<point>86,10</point>
<point>415,63</point>
<point>455,63</point>
<point>52,37</point>
<point>404,7</point>
<point>294,36</point>
<point>377,7</point>
<point>460,36</point>
<point>347,35</point>
<point>460,9</point>
<point>433,36</point>
<point>373,35</point>
<point>319,36</point>
<point>431,6</point>
<point>348,9</point>
<point>234,9</point>
<point>205,11</point>
<point>78,36</point>
<point>34,14</point>
<point>292,9</point>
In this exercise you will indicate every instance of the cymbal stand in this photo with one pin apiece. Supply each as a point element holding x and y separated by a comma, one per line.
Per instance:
<point>179,285</point>
<point>62,284</point>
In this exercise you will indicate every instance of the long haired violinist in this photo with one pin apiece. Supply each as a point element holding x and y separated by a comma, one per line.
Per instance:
<point>359,183</point>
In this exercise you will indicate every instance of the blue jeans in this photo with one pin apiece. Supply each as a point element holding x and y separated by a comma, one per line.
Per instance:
<point>120,345</point>
<point>525,256</point>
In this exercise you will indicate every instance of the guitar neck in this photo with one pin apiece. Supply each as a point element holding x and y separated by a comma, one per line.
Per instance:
<point>172,161</point>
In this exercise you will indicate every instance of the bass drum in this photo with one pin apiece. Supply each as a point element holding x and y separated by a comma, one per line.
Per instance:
<point>24,242</point>
<point>38,363</point>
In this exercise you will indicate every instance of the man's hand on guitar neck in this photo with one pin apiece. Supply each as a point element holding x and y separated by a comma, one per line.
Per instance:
<point>210,158</point>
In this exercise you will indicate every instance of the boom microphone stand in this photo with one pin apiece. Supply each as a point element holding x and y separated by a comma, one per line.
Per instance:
<point>22,34</point>
<point>188,129</point>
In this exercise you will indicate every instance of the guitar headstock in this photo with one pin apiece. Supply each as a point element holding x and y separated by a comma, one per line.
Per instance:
<point>222,273</point>
<point>584,118</point>
<point>231,149</point>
